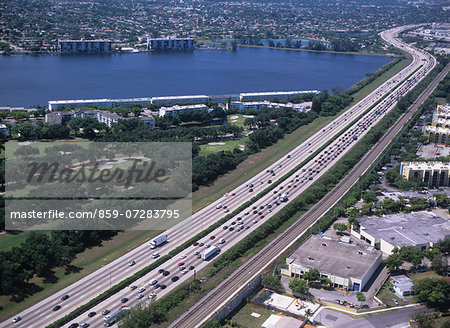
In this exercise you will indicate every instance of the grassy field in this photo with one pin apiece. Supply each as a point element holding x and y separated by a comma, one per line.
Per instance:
<point>243,316</point>
<point>95,258</point>
<point>219,146</point>
<point>238,120</point>
<point>8,241</point>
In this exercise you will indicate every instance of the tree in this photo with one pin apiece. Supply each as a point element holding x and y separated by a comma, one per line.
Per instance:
<point>299,286</point>
<point>393,262</point>
<point>309,313</point>
<point>432,291</point>
<point>424,321</point>
<point>360,296</point>
<point>272,282</point>
<point>340,226</point>
<point>311,275</point>
<point>439,264</point>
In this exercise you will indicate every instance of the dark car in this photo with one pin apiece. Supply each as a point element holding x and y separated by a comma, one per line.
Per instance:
<point>74,325</point>
<point>225,227</point>
<point>233,223</point>
<point>91,314</point>
<point>157,286</point>
<point>166,273</point>
<point>250,190</point>
<point>56,308</point>
<point>124,300</point>
<point>64,297</point>
<point>161,270</point>
<point>162,286</point>
<point>191,267</point>
<point>175,278</point>
<point>231,229</point>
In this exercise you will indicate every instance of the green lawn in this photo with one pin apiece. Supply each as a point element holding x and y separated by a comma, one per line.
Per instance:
<point>239,121</point>
<point>244,317</point>
<point>386,295</point>
<point>219,146</point>
<point>8,241</point>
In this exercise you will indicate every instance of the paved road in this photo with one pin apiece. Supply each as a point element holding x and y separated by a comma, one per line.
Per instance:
<point>41,315</point>
<point>217,298</point>
<point>397,319</point>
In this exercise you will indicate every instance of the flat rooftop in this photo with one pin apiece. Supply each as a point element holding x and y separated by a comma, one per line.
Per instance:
<point>426,165</point>
<point>277,93</point>
<point>409,229</point>
<point>435,129</point>
<point>179,97</point>
<point>334,257</point>
<point>81,101</point>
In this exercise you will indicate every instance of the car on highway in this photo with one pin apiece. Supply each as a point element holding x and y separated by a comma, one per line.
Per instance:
<point>224,227</point>
<point>133,287</point>
<point>139,296</point>
<point>166,273</point>
<point>123,300</point>
<point>84,325</point>
<point>208,245</point>
<point>16,319</point>
<point>250,190</point>
<point>231,229</point>
<point>182,268</point>
<point>222,241</point>
<point>183,256</point>
<point>56,308</point>
<point>180,263</point>
<point>91,314</point>
<point>184,271</point>
<point>155,255</point>
<point>201,244</point>
<point>191,267</point>
<point>174,278</point>
<point>162,286</point>
<point>212,237</point>
<point>64,297</point>
<point>141,290</point>
<point>153,282</point>
<point>226,210</point>
<point>233,194</point>
<point>219,206</point>
<point>74,325</point>
<point>132,262</point>
<point>105,312</point>
<point>156,286</point>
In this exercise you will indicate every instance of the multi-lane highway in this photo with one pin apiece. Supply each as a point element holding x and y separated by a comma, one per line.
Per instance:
<point>42,314</point>
<point>210,304</point>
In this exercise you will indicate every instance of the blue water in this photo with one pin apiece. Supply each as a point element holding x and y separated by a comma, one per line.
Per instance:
<point>34,80</point>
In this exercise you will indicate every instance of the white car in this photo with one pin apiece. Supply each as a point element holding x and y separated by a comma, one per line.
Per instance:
<point>133,262</point>
<point>154,282</point>
<point>183,257</point>
<point>152,295</point>
<point>141,290</point>
<point>185,271</point>
<point>219,206</point>
<point>222,241</point>
<point>155,255</point>
<point>207,245</point>
<point>17,319</point>
<point>139,296</point>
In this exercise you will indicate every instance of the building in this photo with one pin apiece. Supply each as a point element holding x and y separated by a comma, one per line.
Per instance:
<point>278,321</point>
<point>222,99</point>
<point>258,105</point>
<point>420,229</point>
<point>279,95</point>
<point>175,110</point>
<point>58,104</point>
<point>439,130</point>
<point>84,46</point>
<point>102,116</point>
<point>347,265</point>
<point>434,174</point>
<point>171,100</point>
<point>170,44</point>
<point>3,129</point>
<point>402,285</point>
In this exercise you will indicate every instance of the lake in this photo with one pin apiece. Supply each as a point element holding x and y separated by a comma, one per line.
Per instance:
<point>34,80</point>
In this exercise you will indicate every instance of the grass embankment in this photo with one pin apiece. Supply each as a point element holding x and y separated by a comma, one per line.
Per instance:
<point>93,259</point>
<point>87,262</point>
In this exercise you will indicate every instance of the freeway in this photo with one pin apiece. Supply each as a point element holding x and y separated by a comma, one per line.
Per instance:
<point>87,288</point>
<point>210,304</point>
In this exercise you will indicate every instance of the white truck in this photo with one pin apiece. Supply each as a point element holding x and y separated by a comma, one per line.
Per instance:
<point>158,241</point>
<point>284,197</point>
<point>209,252</point>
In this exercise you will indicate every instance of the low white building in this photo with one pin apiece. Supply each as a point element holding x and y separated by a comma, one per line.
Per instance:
<point>348,265</point>
<point>3,129</point>
<point>175,110</point>
<point>258,105</point>
<point>279,95</point>
<point>402,285</point>
<point>277,321</point>
<point>420,229</point>
<point>196,99</point>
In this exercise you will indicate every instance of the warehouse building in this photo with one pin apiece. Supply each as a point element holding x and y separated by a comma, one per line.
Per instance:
<point>434,174</point>
<point>348,265</point>
<point>421,229</point>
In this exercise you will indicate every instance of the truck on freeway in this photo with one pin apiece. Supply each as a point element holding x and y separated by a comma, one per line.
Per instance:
<point>284,197</point>
<point>110,320</point>
<point>158,241</point>
<point>208,253</point>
